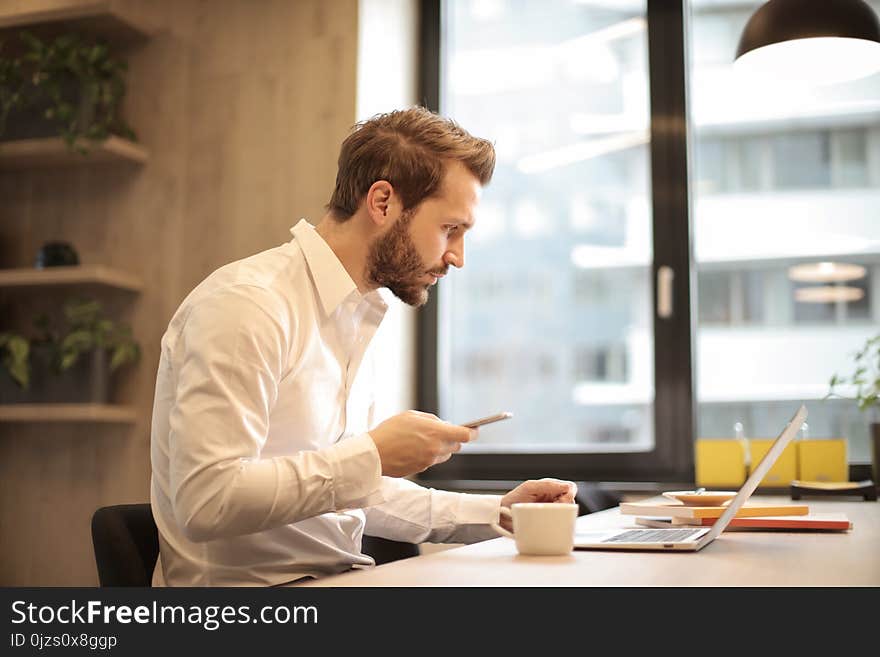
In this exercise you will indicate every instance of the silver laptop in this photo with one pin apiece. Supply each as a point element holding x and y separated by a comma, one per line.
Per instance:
<point>689,538</point>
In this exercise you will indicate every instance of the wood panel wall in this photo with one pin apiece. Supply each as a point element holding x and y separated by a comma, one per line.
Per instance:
<point>242,104</point>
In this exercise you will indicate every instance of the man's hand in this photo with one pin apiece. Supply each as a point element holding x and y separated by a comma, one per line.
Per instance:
<point>413,441</point>
<point>538,490</point>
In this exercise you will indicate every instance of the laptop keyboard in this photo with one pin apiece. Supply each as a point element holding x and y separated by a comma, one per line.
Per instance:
<point>651,536</point>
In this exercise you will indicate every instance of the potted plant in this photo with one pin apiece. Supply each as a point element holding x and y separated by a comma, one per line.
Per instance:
<point>865,380</point>
<point>68,86</point>
<point>70,363</point>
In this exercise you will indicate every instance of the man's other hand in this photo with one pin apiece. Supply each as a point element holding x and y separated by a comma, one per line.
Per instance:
<point>539,490</point>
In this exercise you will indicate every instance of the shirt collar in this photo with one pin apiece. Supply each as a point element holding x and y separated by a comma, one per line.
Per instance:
<point>331,280</point>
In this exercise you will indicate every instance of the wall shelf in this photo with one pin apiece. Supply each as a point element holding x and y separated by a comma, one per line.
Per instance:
<point>79,275</point>
<point>53,152</point>
<point>108,413</point>
<point>105,19</point>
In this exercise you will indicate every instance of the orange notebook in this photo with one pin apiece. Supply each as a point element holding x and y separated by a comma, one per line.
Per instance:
<point>830,521</point>
<point>682,511</point>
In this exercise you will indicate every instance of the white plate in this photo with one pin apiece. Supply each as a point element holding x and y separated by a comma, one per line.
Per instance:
<point>705,498</point>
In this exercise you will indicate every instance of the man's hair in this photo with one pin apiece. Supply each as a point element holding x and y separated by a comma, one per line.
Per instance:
<point>410,149</point>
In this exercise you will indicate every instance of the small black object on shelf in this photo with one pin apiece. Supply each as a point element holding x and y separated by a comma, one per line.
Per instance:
<point>864,489</point>
<point>56,254</point>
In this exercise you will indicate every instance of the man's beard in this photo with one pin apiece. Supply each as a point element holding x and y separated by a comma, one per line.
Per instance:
<point>394,262</point>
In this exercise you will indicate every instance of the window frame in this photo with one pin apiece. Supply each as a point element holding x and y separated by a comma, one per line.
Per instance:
<point>674,410</point>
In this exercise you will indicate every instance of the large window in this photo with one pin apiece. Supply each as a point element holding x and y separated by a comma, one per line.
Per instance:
<point>786,189</point>
<point>551,317</point>
<point>555,316</point>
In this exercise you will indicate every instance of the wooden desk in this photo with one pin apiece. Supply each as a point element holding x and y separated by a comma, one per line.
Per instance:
<point>736,558</point>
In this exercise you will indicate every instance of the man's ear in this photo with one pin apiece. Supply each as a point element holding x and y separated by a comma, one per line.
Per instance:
<point>381,202</point>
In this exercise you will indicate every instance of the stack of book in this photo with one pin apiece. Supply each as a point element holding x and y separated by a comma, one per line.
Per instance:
<point>750,516</point>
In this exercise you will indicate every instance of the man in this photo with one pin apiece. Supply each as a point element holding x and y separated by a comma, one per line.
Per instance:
<point>266,465</point>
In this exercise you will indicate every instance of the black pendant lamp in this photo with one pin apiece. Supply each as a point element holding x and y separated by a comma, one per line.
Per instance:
<point>817,41</point>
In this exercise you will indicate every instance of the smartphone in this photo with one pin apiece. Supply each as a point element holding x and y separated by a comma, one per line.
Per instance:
<point>473,424</point>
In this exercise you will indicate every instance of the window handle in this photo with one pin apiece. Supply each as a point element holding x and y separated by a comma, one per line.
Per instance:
<point>665,276</point>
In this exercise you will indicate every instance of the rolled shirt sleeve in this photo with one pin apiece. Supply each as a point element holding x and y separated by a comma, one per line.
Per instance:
<point>415,514</point>
<point>229,365</point>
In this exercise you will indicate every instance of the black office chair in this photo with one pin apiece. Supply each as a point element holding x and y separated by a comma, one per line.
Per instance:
<point>384,550</point>
<point>126,544</point>
<point>591,498</point>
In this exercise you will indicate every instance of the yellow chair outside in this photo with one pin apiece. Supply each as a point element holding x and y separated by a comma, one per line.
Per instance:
<point>822,459</point>
<point>720,462</point>
<point>784,471</point>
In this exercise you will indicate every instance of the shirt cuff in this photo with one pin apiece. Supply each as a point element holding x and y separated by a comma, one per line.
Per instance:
<point>471,509</point>
<point>357,473</point>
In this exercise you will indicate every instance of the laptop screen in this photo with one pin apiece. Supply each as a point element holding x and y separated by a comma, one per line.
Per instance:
<point>758,473</point>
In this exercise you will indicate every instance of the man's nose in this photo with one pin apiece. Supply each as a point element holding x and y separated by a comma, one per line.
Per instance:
<point>455,257</point>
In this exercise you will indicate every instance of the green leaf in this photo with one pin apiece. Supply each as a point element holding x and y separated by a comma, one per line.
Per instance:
<point>104,326</point>
<point>78,341</point>
<point>867,401</point>
<point>82,312</point>
<point>121,355</point>
<point>66,42</point>
<point>18,347</point>
<point>15,358</point>
<point>30,40</point>
<point>866,375</point>
<point>68,360</point>
<point>20,373</point>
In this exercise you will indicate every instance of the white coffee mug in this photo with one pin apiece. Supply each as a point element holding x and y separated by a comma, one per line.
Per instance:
<point>541,528</point>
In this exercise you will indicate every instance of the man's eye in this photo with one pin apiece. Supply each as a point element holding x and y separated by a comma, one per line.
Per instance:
<point>451,228</point>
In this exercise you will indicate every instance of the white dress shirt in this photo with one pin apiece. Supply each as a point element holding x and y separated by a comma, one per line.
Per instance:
<point>262,468</point>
